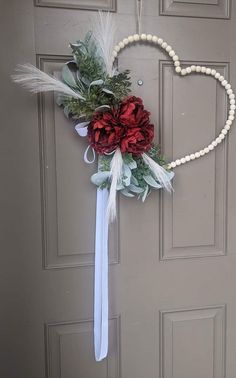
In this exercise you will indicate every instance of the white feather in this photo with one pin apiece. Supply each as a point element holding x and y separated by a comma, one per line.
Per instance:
<point>161,175</point>
<point>116,174</point>
<point>38,81</point>
<point>104,32</point>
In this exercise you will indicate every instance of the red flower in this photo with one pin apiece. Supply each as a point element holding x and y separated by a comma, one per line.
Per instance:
<point>127,127</point>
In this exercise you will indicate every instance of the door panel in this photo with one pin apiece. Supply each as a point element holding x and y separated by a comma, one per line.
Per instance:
<point>172,260</point>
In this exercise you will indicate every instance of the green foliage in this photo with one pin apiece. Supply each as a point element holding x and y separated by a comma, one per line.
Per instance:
<point>87,74</point>
<point>137,178</point>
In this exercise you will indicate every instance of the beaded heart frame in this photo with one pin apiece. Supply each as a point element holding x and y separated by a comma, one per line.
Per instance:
<point>159,42</point>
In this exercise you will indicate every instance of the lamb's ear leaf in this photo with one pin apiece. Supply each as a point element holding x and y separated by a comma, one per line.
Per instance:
<point>151,181</point>
<point>96,82</point>
<point>126,193</point>
<point>135,189</point>
<point>100,177</point>
<point>68,76</point>
<point>145,193</point>
<point>107,91</point>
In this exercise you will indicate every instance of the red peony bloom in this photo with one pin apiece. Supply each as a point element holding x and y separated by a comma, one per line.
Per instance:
<point>127,127</point>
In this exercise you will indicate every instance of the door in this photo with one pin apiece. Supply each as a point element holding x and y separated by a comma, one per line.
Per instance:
<point>172,279</point>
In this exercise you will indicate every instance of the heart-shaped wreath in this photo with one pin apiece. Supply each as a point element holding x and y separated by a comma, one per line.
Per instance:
<point>96,97</point>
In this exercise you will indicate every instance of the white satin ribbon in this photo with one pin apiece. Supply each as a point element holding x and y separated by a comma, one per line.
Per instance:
<point>101,277</point>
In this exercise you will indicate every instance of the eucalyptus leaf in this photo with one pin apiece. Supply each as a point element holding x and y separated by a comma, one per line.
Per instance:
<point>100,177</point>
<point>151,181</point>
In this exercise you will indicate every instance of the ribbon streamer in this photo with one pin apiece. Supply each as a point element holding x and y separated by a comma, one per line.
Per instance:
<point>101,277</point>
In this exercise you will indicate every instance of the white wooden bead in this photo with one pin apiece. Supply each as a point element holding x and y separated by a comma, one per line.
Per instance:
<point>177,63</point>
<point>125,41</point>
<point>114,54</point>
<point>228,122</point>
<point>178,162</point>
<point>221,78</point>
<point>202,152</point>
<point>197,155</point>
<point>228,86</point>
<point>231,96</point>
<point>203,69</point>
<point>164,45</point>
<point>213,72</point>
<point>173,164</point>
<point>198,69</point>
<point>229,91</point>
<point>227,127</point>
<point>178,69</point>
<point>130,38</point>
<point>143,37</point>
<point>188,69</point>
<point>208,71</point>
<point>183,71</point>
<point>222,136</point>
<point>206,150</point>
<point>168,48</point>
<point>218,140</point>
<point>117,48</point>
<point>231,112</point>
<point>149,37</point>
<point>232,107</point>
<point>217,75</point>
<point>154,39</point>
<point>224,83</point>
<point>171,53</point>
<point>231,117</point>
<point>214,143</point>
<point>210,147</point>
<point>187,158</point>
<point>122,45</point>
<point>232,102</point>
<point>183,160</point>
<point>136,37</point>
<point>224,131</point>
<point>192,156</point>
<point>193,68</point>
<point>175,57</point>
<point>160,41</point>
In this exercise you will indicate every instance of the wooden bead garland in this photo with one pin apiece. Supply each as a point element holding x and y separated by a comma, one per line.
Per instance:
<point>183,72</point>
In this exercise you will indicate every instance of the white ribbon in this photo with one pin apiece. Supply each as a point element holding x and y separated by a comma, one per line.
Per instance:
<point>101,277</point>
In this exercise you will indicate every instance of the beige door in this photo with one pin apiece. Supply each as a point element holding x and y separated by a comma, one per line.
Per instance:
<point>172,259</point>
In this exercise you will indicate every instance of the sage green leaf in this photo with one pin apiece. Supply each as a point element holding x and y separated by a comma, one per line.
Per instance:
<point>100,177</point>
<point>126,193</point>
<point>145,193</point>
<point>96,82</point>
<point>126,175</point>
<point>107,91</point>
<point>68,77</point>
<point>151,181</point>
<point>134,181</point>
<point>135,189</point>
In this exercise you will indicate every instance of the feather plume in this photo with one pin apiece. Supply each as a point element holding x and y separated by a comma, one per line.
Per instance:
<point>37,81</point>
<point>116,174</point>
<point>104,31</point>
<point>161,175</point>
